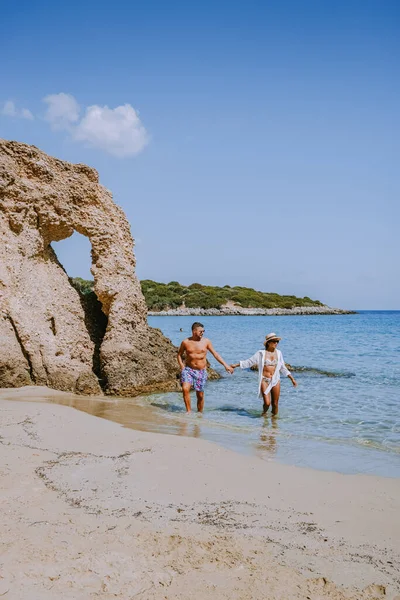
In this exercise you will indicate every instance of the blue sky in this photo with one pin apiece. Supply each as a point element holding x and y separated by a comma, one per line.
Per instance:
<point>258,146</point>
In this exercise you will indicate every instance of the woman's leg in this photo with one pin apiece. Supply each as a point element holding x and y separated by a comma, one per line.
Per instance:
<point>275,393</point>
<point>266,397</point>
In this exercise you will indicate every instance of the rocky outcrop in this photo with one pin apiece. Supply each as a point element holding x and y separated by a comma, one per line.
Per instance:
<point>48,333</point>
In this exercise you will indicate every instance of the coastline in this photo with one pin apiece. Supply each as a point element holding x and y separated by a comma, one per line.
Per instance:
<point>92,509</point>
<point>238,311</point>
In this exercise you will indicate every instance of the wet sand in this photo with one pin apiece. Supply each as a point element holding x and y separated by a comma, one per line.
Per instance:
<point>131,413</point>
<point>95,510</point>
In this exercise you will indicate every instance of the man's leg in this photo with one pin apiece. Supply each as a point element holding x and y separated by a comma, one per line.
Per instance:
<point>186,396</point>
<point>199,384</point>
<point>275,393</point>
<point>200,401</point>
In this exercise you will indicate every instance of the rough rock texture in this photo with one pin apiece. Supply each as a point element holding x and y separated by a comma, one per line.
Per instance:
<point>46,333</point>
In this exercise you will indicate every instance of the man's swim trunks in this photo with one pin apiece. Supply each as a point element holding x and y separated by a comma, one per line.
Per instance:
<point>196,377</point>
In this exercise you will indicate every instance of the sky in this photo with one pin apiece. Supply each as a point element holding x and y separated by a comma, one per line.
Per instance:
<point>251,143</point>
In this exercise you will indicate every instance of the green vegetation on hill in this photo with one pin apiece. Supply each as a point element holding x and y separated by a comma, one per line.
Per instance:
<point>163,296</point>
<point>84,286</point>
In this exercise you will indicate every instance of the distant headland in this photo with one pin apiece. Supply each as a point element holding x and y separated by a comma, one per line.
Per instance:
<point>174,299</point>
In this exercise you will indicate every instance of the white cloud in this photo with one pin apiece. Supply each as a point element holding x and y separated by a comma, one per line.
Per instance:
<point>10,110</point>
<point>26,114</point>
<point>115,130</point>
<point>62,110</point>
<point>118,131</point>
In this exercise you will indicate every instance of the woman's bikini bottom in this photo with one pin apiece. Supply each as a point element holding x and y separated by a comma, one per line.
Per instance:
<point>268,381</point>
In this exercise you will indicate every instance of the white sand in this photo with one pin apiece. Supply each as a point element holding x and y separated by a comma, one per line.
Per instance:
<point>93,510</point>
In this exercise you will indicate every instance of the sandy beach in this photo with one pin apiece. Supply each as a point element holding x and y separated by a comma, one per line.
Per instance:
<point>94,510</point>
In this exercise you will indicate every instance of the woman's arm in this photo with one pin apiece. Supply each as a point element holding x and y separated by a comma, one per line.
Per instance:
<point>284,370</point>
<point>286,373</point>
<point>246,364</point>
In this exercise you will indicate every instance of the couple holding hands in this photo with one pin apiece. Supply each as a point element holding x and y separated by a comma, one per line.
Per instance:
<point>192,362</point>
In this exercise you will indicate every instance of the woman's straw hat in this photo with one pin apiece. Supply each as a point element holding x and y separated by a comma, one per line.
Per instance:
<point>270,337</point>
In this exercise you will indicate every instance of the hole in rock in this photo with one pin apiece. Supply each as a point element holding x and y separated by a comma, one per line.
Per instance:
<point>74,254</point>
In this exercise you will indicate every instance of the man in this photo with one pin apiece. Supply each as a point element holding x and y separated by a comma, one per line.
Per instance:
<point>192,362</point>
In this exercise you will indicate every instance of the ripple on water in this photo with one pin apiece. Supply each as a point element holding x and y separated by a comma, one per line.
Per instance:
<point>345,413</point>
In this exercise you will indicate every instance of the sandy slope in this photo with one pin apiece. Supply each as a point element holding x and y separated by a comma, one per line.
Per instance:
<point>93,510</point>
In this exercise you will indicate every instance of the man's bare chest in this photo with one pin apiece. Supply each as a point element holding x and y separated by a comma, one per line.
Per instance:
<point>198,348</point>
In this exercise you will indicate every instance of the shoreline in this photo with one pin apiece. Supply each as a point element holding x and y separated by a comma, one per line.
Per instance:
<point>93,509</point>
<point>239,311</point>
<point>139,414</point>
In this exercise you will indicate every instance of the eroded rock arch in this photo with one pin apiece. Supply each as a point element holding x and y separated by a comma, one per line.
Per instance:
<point>44,339</point>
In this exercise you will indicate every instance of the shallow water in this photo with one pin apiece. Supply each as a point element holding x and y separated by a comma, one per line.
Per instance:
<point>343,416</point>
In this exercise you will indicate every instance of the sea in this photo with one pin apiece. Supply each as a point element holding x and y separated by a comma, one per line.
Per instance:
<point>345,413</point>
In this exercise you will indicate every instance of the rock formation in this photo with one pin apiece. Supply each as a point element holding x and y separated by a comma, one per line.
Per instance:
<point>46,332</point>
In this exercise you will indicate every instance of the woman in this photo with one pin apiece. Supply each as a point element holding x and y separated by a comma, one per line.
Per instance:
<point>270,364</point>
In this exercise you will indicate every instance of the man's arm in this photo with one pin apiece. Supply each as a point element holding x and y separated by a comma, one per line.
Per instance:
<point>181,352</point>
<point>218,357</point>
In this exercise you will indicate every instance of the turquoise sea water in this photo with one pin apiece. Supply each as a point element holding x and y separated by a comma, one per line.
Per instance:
<point>343,416</point>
